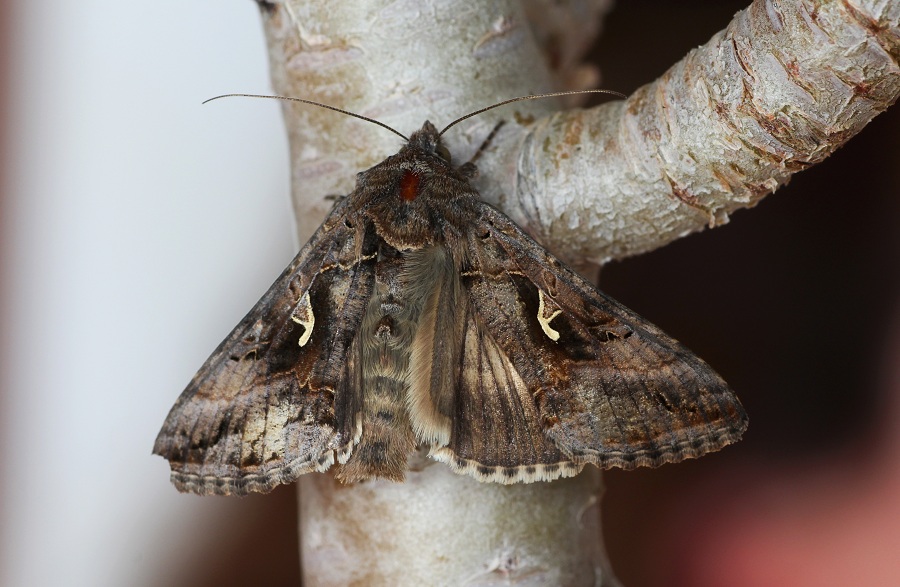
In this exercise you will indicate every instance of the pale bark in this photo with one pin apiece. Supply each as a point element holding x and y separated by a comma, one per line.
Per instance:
<point>779,89</point>
<point>439,528</point>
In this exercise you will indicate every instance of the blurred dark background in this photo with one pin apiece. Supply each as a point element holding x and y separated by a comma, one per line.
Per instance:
<point>793,302</point>
<point>788,299</point>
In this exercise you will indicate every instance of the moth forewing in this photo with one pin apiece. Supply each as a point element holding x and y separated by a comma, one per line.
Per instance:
<point>264,408</point>
<point>629,395</point>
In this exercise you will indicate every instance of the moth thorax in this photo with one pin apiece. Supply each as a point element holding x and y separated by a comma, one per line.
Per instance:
<point>409,185</point>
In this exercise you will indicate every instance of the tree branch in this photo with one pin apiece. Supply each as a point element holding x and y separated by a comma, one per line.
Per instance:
<point>782,87</point>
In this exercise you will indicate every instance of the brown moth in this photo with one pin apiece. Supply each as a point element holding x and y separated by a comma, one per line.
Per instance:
<point>419,316</point>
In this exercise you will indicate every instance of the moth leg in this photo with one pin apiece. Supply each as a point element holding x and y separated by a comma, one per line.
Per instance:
<point>335,199</point>
<point>481,149</point>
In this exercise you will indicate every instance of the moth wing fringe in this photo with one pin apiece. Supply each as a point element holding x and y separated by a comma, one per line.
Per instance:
<point>689,449</point>
<point>506,475</point>
<point>674,453</point>
<point>255,483</point>
<point>266,482</point>
<point>343,453</point>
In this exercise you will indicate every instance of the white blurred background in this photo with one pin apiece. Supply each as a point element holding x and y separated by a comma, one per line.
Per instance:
<point>138,227</point>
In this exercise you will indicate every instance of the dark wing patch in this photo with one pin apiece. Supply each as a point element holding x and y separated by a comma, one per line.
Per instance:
<point>263,409</point>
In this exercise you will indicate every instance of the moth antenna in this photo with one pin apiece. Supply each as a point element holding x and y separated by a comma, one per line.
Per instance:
<point>532,97</point>
<point>320,105</point>
<point>486,142</point>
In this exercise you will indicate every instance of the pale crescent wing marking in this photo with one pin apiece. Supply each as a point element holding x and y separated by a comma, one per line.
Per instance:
<point>544,319</point>
<point>303,315</point>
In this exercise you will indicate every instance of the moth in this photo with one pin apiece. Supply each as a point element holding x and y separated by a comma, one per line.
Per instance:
<point>419,316</point>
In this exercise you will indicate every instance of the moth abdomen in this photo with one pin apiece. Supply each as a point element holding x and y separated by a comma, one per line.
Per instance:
<point>386,417</point>
<point>385,336</point>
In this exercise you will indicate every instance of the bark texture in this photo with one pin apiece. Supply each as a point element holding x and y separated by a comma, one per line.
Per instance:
<point>783,86</point>
<point>439,528</point>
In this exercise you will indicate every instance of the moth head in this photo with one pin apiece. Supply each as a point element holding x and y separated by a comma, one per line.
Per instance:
<point>428,139</point>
